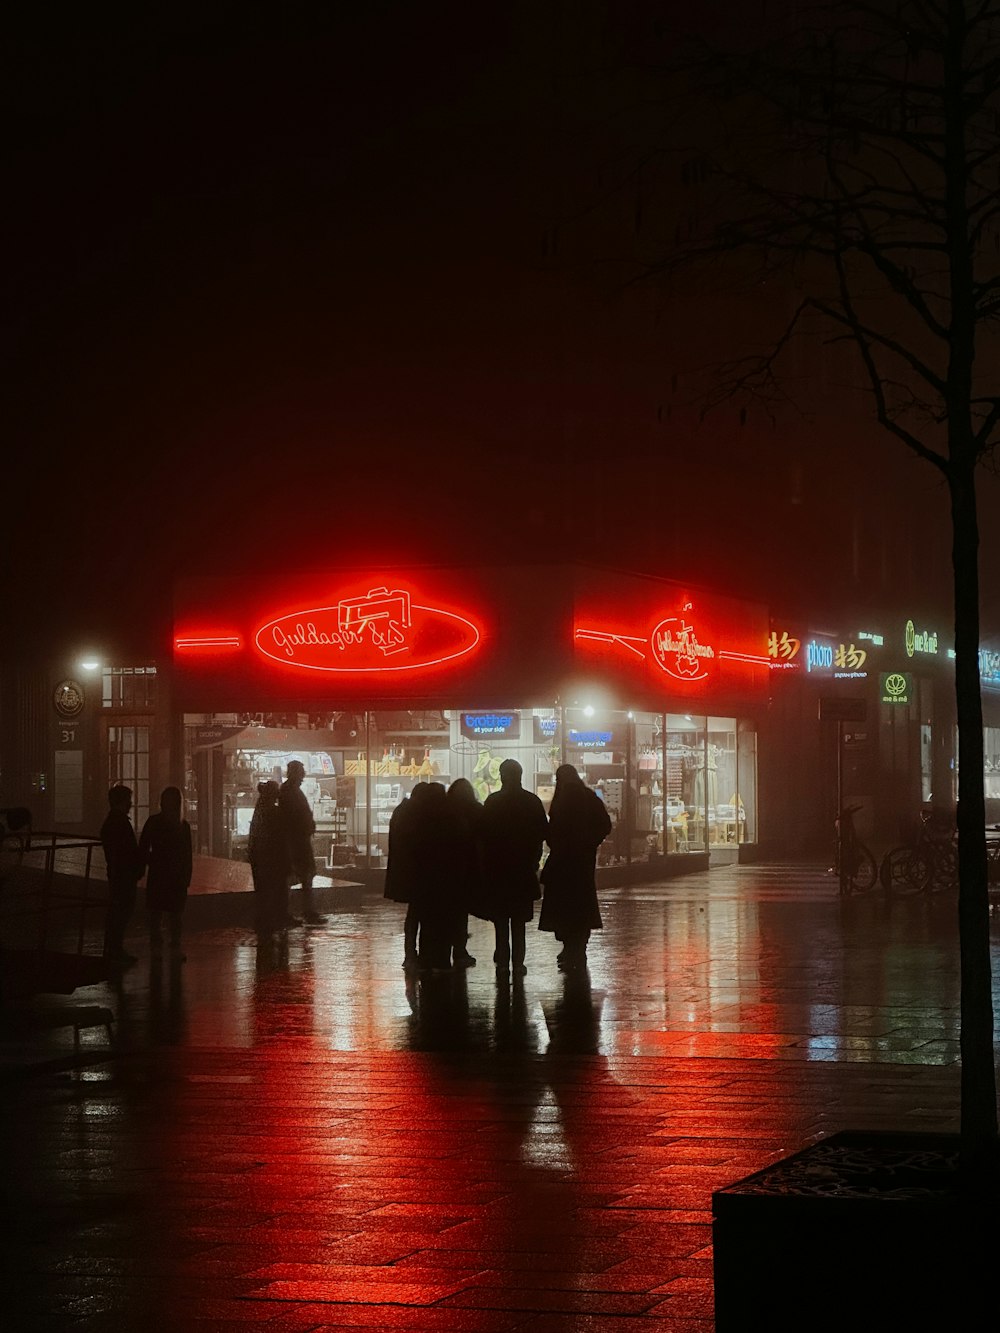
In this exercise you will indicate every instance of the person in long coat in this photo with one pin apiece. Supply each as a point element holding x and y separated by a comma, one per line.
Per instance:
<point>578,824</point>
<point>165,853</point>
<point>433,845</point>
<point>467,874</point>
<point>297,816</point>
<point>514,828</point>
<point>400,867</point>
<point>270,864</point>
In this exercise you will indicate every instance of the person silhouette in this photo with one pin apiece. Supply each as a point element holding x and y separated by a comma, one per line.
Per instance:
<point>165,854</point>
<point>269,864</point>
<point>299,825</point>
<point>121,857</point>
<point>466,875</point>
<point>578,824</point>
<point>514,828</point>
<point>400,869</point>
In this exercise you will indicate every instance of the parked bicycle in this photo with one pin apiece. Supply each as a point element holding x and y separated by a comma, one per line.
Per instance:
<point>860,872</point>
<point>927,865</point>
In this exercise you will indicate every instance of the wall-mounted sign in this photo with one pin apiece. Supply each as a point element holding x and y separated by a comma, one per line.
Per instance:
<point>783,649</point>
<point>848,661</point>
<point>843,660</point>
<point>591,738</point>
<point>545,730</point>
<point>876,640</point>
<point>68,698</point>
<point>498,725</point>
<point>380,631</point>
<point>895,687</point>
<point>919,640</point>
<point>676,649</point>
<point>819,656</point>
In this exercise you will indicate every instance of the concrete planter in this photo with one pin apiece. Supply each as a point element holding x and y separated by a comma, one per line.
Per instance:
<point>861,1231</point>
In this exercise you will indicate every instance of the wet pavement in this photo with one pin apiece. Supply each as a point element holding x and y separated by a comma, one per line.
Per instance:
<point>302,1139</point>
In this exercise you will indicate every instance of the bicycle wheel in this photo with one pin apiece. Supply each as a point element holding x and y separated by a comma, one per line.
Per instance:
<point>944,869</point>
<point>904,871</point>
<point>864,872</point>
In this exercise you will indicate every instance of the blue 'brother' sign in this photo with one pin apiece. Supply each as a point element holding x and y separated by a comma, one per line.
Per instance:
<point>499,725</point>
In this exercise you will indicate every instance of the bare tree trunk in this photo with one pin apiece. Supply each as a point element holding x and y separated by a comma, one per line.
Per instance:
<point>979,1093</point>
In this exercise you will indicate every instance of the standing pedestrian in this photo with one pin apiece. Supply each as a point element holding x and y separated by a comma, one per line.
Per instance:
<point>467,874</point>
<point>514,827</point>
<point>121,857</point>
<point>299,825</point>
<point>432,835</point>
<point>165,854</point>
<point>578,824</point>
<point>400,868</point>
<point>269,862</point>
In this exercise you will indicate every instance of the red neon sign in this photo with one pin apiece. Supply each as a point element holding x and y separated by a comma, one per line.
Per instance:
<point>211,642</point>
<point>380,631</point>
<point>674,647</point>
<point>676,650</point>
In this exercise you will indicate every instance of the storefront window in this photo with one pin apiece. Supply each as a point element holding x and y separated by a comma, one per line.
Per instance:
<point>671,783</point>
<point>685,783</point>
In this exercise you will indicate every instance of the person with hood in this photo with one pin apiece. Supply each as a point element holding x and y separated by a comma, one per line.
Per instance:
<point>578,824</point>
<point>165,854</point>
<point>270,864</point>
<point>514,828</point>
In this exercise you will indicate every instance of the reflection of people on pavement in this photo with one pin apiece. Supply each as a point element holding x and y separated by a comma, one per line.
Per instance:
<point>578,824</point>
<point>299,828</point>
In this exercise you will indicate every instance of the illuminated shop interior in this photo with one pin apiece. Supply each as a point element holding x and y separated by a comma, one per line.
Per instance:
<point>674,784</point>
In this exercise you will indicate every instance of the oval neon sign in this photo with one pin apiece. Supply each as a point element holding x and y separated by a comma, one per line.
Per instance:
<point>378,632</point>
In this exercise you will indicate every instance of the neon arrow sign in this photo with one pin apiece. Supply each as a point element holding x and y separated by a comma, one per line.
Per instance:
<point>380,631</point>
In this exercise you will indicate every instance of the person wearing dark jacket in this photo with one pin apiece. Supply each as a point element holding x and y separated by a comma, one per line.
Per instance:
<point>467,872</point>
<point>165,853</point>
<point>269,862</point>
<point>578,824</point>
<point>297,817</point>
<point>514,827</point>
<point>433,846</point>
<point>121,857</point>
<point>400,867</point>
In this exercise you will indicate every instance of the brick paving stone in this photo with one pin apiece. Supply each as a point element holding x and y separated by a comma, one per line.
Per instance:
<point>315,1144</point>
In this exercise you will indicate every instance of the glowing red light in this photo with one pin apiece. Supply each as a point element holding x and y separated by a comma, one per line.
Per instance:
<point>217,642</point>
<point>378,632</point>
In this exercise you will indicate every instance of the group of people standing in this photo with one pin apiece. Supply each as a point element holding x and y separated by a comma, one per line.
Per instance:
<point>162,853</point>
<point>450,857</point>
<point>280,852</point>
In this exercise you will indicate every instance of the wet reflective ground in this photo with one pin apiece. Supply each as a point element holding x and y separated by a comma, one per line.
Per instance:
<point>300,1138</point>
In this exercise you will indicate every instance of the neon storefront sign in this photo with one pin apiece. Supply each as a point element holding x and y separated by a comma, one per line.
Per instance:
<point>380,631</point>
<point>674,647</point>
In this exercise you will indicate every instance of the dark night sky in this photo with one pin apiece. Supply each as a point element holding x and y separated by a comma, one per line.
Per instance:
<point>325,282</point>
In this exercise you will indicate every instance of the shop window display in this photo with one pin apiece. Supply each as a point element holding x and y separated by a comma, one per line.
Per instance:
<point>672,783</point>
